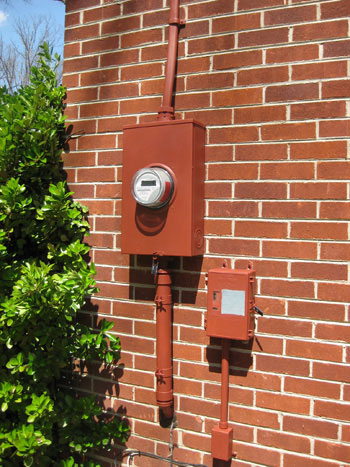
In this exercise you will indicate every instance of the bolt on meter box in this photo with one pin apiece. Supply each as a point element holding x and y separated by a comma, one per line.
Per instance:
<point>163,188</point>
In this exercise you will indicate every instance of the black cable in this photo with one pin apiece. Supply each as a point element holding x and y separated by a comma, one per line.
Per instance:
<point>135,452</point>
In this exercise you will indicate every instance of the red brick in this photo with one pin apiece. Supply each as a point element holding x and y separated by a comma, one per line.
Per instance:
<point>263,75</point>
<point>338,88</point>
<point>288,249</point>
<point>97,14</point>
<point>96,174</point>
<point>289,210</point>
<point>310,427</point>
<point>98,109</point>
<point>212,9</point>
<point>316,110</point>
<point>236,396</point>
<point>155,18</point>
<point>81,32</point>
<point>323,30</point>
<point>261,151</point>
<point>233,209</point>
<point>237,59</point>
<point>94,142</point>
<point>120,57</point>
<point>337,251</point>
<point>333,210</point>
<point>260,229</point>
<point>262,190</point>
<point>292,54</point>
<point>141,37</point>
<point>336,451</point>
<point>335,9</point>
<point>254,454</point>
<point>100,45</point>
<point>255,417</point>
<point>283,441</point>
<point>80,64</point>
<point>319,230</point>
<point>217,227</point>
<point>236,23</point>
<point>316,190</point>
<point>70,81</point>
<point>311,387</point>
<point>283,403</point>
<point>319,150</point>
<point>287,171</point>
<point>234,247</point>
<point>218,190</point>
<point>288,131</point>
<point>321,70</point>
<point>134,6</point>
<point>260,114</point>
<point>77,5</point>
<point>194,28</point>
<point>119,25</point>
<point>236,97</point>
<point>234,134</point>
<point>290,15</point>
<point>285,327</point>
<point>334,292</point>
<point>135,106</point>
<point>233,171</point>
<point>210,44</point>
<point>291,460</point>
<point>210,81</point>
<point>284,288</point>
<point>263,37</point>
<point>193,65</point>
<point>192,101</point>
<point>71,50</point>
<point>335,332</point>
<point>292,92</point>
<point>72,19</point>
<point>333,170</point>
<point>256,4</point>
<point>314,350</point>
<point>337,49</point>
<point>151,70</point>
<point>282,365</point>
<point>320,271</point>
<point>331,372</point>
<point>335,128</point>
<point>212,117</point>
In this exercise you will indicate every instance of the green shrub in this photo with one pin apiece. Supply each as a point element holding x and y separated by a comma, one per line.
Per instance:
<point>44,282</point>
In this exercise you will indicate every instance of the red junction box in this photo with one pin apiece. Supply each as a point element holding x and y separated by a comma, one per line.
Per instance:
<point>177,228</point>
<point>231,303</point>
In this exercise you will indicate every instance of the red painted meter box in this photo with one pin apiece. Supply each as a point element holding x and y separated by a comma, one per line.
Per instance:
<point>163,188</point>
<point>231,304</point>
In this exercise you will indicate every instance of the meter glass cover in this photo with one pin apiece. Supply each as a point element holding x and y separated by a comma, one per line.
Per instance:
<point>152,187</point>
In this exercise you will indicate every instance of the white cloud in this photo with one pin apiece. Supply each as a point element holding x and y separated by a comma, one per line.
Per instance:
<point>3,17</point>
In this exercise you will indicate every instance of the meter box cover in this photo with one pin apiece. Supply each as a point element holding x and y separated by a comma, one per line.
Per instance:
<point>231,303</point>
<point>163,188</point>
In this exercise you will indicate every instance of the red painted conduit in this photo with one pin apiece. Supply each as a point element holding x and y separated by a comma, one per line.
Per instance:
<point>164,372</point>
<point>163,298</point>
<point>166,111</point>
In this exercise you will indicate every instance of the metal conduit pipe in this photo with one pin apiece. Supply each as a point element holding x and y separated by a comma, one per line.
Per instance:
<point>164,372</point>
<point>166,111</point>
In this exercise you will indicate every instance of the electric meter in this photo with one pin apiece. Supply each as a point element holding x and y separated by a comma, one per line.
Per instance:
<point>152,187</point>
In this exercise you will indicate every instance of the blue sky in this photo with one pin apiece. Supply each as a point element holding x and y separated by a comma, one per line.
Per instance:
<point>32,8</point>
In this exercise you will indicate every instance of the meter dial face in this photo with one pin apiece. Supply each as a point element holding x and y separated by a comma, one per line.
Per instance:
<point>152,187</point>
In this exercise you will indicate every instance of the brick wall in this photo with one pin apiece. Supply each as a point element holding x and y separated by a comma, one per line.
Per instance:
<point>271,80</point>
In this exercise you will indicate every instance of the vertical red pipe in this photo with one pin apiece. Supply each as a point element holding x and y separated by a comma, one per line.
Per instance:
<point>166,111</point>
<point>224,382</point>
<point>221,438</point>
<point>164,372</point>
